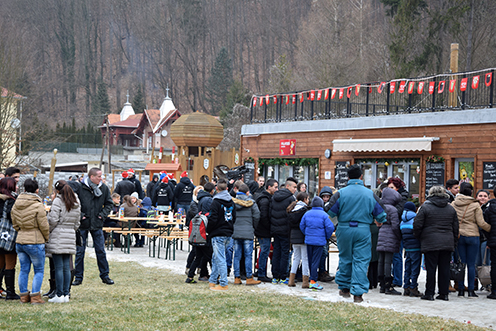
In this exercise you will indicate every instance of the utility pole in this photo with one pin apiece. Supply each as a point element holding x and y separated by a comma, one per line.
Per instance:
<point>453,97</point>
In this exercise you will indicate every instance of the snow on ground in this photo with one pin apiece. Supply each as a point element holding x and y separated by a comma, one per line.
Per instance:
<point>478,311</point>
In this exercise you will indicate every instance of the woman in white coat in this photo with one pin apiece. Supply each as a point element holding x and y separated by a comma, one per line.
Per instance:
<point>64,218</point>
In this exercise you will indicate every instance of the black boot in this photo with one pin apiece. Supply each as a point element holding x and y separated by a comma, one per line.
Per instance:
<point>382,288</point>
<point>471,294</point>
<point>492,295</point>
<point>389,289</point>
<point>461,293</point>
<point>10,284</point>
<point>52,288</point>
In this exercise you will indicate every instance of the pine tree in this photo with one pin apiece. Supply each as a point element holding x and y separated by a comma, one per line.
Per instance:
<point>101,104</point>
<point>219,82</point>
<point>139,100</point>
<point>237,94</point>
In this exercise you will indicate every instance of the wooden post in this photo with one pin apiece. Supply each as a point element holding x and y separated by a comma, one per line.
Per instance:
<point>52,172</point>
<point>453,97</point>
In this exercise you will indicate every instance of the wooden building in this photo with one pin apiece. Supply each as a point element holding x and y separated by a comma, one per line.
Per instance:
<point>423,149</point>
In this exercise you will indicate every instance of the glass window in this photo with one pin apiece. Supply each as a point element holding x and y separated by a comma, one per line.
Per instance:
<point>413,180</point>
<point>465,171</point>
<point>381,174</point>
<point>313,180</point>
<point>399,171</point>
<point>299,173</point>
<point>283,174</point>
<point>367,175</point>
<point>270,173</point>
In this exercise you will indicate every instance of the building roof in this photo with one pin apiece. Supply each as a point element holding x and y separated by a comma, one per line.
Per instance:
<point>7,93</point>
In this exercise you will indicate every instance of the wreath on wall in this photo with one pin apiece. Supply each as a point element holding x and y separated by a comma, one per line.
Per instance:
<point>249,159</point>
<point>304,162</point>
<point>434,159</point>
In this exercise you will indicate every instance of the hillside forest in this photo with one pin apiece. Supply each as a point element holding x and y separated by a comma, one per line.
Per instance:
<point>76,60</point>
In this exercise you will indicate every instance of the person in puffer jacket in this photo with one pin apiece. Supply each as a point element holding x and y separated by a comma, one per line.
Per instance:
<point>247,217</point>
<point>30,221</point>
<point>317,228</point>
<point>412,251</point>
<point>64,219</point>
<point>296,210</point>
<point>389,240</point>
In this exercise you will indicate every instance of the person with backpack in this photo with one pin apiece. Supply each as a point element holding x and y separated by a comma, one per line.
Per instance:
<point>220,229</point>
<point>412,251</point>
<point>198,225</point>
<point>247,217</point>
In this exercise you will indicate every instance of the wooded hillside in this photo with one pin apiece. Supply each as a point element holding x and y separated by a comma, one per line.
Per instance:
<point>72,53</point>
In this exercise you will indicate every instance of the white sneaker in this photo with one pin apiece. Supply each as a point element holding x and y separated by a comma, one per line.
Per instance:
<point>57,299</point>
<point>66,298</point>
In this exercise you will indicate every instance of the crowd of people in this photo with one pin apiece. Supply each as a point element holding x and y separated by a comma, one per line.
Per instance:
<point>383,239</point>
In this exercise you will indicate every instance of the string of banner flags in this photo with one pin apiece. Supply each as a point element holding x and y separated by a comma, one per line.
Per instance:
<point>409,85</point>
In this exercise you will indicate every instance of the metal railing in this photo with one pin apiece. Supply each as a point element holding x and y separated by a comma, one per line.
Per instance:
<point>441,92</point>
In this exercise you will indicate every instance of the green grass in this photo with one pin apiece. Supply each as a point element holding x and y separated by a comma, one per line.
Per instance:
<point>154,299</point>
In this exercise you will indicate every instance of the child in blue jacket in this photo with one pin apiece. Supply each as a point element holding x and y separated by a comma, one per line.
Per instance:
<point>317,228</point>
<point>412,251</point>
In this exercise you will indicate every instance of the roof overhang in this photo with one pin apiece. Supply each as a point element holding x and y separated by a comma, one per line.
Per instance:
<point>383,145</point>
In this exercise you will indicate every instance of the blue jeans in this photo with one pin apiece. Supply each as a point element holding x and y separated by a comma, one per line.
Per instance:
<point>229,252</point>
<point>412,268</point>
<point>468,248</point>
<point>240,246</point>
<point>314,254</point>
<point>185,207</point>
<point>398,266</point>
<point>264,255</point>
<point>101,256</point>
<point>280,257</point>
<point>31,254</point>
<point>62,273</point>
<point>219,267</point>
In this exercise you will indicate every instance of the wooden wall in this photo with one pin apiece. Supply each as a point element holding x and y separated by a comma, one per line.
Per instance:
<point>476,141</point>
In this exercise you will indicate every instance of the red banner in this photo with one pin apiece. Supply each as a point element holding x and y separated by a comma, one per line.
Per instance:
<point>294,99</point>
<point>401,87</point>
<point>420,88</point>
<point>267,99</point>
<point>275,99</point>
<point>326,94</point>
<point>301,97</point>
<point>432,87</point>
<point>333,93</point>
<point>392,87</point>
<point>475,82</point>
<point>348,91</point>
<point>357,89</point>
<point>254,101</point>
<point>261,101</point>
<point>287,99</point>
<point>411,87</point>
<point>312,95</point>
<point>341,93</point>
<point>287,147</point>
<point>440,87</point>
<point>319,94</point>
<point>381,87</point>
<point>488,79</point>
<point>452,85</point>
<point>463,84</point>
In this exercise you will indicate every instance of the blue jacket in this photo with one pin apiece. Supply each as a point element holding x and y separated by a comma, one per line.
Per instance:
<point>410,243</point>
<point>357,203</point>
<point>316,226</point>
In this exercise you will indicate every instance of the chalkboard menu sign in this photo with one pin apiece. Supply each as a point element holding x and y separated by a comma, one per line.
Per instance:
<point>489,175</point>
<point>250,175</point>
<point>341,177</point>
<point>434,175</point>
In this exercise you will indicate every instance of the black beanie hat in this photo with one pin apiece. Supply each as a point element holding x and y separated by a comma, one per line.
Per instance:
<point>317,202</point>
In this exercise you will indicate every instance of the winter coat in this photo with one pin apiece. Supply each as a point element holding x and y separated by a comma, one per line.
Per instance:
<point>279,221</point>
<point>316,227</point>
<point>204,202</point>
<point>247,216</point>
<point>295,214</point>
<point>490,218</point>
<point>137,187</point>
<point>356,203</point>
<point>222,216</point>
<point>328,191</point>
<point>263,200</point>
<point>29,220</point>
<point>150,187</point>
<point>389,232</point>
<point>63,226</point>
<point>163,195</point>
<point>436,224</point>
<point>469,215</point>
<point>404,198</point>
<point>410,243</point>
<point>124,187</point>
<point>94,210</point>
<point>192,211</point>
<point>183,193</point>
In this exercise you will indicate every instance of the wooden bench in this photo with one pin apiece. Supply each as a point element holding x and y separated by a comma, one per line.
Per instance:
<point>172,240</point>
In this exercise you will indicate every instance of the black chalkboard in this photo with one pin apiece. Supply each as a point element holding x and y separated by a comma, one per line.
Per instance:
<point>250,175</point>
<point>341,177</point>
<point>489,175</point>
<point>434,175</point>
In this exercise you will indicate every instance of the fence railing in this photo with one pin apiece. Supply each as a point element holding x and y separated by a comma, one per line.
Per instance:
<point>65,147</point>
<point>441,92</point>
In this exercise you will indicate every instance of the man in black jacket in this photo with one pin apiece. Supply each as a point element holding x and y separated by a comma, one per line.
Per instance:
<point>163,196</point>
<point>279,229</point>
<point>150,188</point>
<point>125,186</point>
<point>137,184</point>
<point>96,204</point>
<point>183,193</point>
<point>262,231</point>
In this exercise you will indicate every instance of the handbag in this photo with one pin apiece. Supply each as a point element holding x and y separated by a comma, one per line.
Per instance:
<point>79,238</point>
<point>8,234</point>
<point>457,270</point>
<point>484,271</point>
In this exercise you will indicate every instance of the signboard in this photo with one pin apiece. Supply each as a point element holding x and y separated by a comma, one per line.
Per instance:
<point>434,175</point>
<point>287,147</point>
<point>488,175</point>
<point>250,175</point>
<point>341,175</point>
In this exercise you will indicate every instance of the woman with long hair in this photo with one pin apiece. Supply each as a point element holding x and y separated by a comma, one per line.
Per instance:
<point>8,254</point>
<point>64,218</point>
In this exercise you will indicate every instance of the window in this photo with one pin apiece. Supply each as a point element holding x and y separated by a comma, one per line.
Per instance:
<point>374,174</point>
<point>464,170</point>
